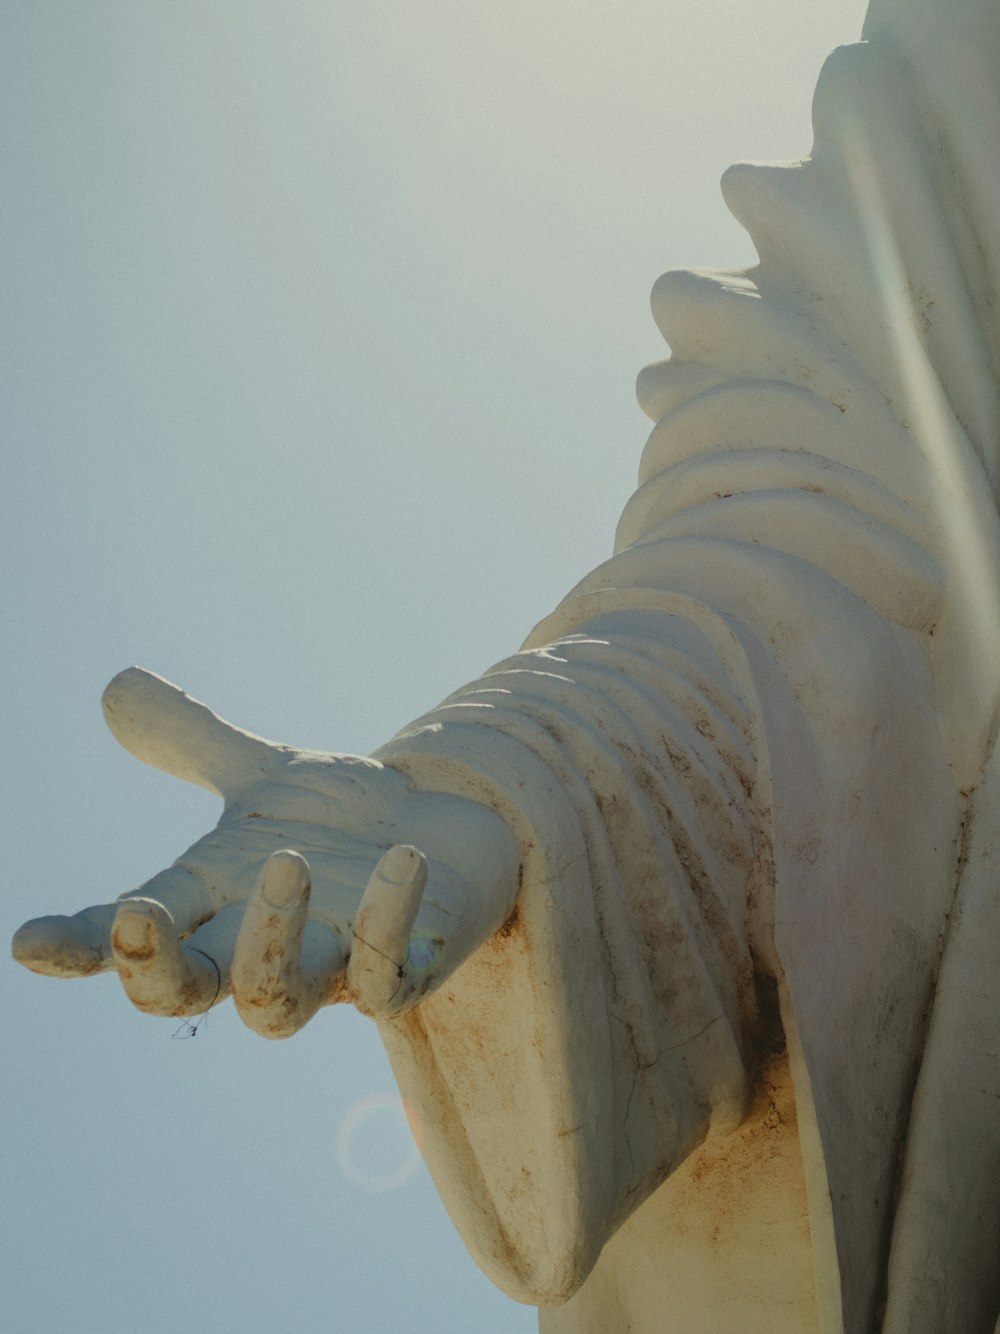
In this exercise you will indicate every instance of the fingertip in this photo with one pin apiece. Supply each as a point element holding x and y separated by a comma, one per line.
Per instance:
<point>402,865</point>
<point>138,927</point>
<point>285,879</point>
<point>130,682</point>
<point>60,947</point>
<point>160,974</point>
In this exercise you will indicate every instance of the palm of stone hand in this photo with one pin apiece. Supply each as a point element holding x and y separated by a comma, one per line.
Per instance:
<point>388,889</point>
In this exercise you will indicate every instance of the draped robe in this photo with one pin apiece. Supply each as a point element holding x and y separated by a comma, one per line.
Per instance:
<point>750,761</point>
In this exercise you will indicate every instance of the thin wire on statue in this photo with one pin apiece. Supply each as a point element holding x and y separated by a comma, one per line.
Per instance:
<point>188,1029</point>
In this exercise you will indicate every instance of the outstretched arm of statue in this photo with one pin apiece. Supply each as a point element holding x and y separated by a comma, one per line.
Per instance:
<point>521,952</point>
<point>327,878</point>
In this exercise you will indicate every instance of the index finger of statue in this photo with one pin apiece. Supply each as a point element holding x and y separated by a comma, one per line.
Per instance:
<point>161,972</point>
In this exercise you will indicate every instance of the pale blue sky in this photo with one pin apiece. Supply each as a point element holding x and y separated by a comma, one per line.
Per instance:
<point>321,325</point>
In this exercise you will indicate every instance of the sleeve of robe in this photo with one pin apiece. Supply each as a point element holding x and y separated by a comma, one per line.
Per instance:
<point>745,751</point>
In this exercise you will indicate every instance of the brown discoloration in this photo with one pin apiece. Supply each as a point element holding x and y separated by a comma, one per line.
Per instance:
<point>766,1054</point>
<point>137,953</point>
<point>735,1213</point>
<point>84,970</point>
<point>724,1172</point>
<point>134,937</point>
<point>339,989</point>
<point>192,997</point>
<point>510,927</point>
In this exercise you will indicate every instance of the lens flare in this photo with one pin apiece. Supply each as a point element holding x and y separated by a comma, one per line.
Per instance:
<point>378,1143</point>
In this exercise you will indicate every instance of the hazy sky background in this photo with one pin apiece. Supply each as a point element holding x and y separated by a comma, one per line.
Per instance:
<point>321,322</point>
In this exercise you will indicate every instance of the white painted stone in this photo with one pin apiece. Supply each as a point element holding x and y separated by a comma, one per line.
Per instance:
<point>680,924</point>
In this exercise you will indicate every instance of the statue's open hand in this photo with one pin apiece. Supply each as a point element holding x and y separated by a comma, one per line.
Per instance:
<point>328,878</point>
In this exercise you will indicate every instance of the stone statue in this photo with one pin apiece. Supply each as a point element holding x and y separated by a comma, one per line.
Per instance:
<point>680,924</point>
